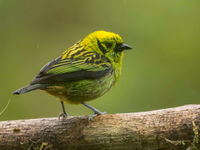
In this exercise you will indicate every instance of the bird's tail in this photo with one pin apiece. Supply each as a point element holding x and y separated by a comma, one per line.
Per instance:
<point>29,88</point>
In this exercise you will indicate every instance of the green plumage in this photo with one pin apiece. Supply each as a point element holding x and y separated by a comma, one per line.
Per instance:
<point>85,71</point>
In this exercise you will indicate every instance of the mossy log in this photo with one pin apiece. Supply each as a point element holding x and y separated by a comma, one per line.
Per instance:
<point>166,129</point>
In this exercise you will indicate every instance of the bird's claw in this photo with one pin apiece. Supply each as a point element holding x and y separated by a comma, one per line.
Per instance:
<point>62,116</point>
<point>95,114</point>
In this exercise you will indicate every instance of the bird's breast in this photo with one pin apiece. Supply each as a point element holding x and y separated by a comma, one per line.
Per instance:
<point>83,90</point>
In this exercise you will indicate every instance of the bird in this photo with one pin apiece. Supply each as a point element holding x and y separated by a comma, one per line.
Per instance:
<point>84,72</point>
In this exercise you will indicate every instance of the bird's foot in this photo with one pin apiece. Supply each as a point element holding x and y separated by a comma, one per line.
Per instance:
<point>63,116</point>
<point>95,114</point>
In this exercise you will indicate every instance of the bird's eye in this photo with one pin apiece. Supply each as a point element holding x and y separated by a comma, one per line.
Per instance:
<point>108,45</point>
<point>118,48</point>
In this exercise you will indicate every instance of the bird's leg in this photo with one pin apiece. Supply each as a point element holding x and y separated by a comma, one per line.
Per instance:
<point>96,111</point>
<point>63,114</point>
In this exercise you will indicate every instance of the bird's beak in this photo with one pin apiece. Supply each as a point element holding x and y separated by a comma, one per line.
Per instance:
<point>125,46</point>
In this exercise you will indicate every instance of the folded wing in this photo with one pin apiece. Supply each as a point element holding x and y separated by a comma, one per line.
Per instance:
<point>77,65</point>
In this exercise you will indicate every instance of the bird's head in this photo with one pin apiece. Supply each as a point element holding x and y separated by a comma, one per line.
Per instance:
<point>106,43</point>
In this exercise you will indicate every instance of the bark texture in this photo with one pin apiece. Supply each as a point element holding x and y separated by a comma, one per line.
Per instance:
<point>166,129</point>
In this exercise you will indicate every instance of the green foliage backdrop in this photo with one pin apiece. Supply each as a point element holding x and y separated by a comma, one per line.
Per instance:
<point>162,71</point>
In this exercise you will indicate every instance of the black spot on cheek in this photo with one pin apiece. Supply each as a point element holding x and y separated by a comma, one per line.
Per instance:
<point>108,45</point>
<point>101,47</point>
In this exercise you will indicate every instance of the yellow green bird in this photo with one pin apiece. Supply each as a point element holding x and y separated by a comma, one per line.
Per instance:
<point>84,72</point>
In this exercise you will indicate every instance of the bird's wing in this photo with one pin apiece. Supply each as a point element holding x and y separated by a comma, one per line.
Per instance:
<point>74,66</point>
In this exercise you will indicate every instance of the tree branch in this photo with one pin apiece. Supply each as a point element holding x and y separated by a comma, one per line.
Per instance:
<point>173,128</point>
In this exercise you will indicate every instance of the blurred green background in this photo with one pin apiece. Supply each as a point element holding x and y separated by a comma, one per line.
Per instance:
<point>162,71</point>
